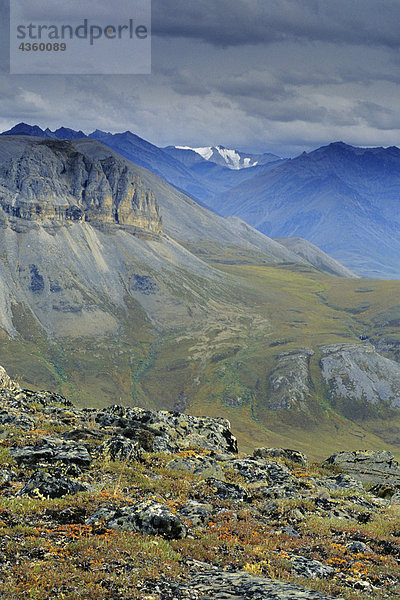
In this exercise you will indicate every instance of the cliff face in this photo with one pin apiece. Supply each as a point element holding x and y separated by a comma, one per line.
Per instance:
<point>52,180</point>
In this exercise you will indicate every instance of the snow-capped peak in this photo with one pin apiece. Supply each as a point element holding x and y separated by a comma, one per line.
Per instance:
<point>205,152</point>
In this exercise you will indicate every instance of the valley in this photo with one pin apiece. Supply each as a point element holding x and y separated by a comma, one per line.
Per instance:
<point>119,288</point>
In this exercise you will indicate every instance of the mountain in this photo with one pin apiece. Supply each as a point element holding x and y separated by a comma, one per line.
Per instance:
<point>341,198</point>
<point>233,159</point>
<point>115,286</point>
<point>201,179</point>
<point>34,130</point>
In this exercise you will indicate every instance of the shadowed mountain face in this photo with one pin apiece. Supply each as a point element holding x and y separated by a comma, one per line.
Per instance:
<point>343,199</point>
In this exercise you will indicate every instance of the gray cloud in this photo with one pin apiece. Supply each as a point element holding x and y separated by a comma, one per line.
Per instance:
<point>228,23</point>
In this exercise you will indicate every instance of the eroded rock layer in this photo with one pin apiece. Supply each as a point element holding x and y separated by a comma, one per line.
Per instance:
<point>50,179</point>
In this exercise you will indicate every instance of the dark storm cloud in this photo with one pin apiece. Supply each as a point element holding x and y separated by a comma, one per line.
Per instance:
<point>228,23</point>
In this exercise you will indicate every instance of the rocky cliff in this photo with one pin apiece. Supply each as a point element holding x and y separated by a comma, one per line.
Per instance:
<point>51,180</point>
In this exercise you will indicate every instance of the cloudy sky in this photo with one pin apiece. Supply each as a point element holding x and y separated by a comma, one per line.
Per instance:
<point>265,75</point>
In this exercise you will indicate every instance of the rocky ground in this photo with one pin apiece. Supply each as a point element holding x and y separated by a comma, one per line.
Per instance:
<point>123,503</point>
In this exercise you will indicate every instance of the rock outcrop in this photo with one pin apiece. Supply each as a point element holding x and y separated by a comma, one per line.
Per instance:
<point>359,378</point>
<point>51,180</point>
<point>290,382</point>
<point>369,466</point>
<point>163,499</point>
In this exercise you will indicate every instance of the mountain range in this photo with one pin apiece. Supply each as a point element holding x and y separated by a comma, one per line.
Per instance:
<point>341,198</point>
<point>117,286</point>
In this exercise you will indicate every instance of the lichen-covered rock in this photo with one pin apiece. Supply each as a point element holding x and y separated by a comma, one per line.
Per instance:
<point>289,383</point>
<point>202,466</point>
<point>293,455</point>
<point>6,382</point>
<point>45,485</point>
<point>52,450</point>
<point>12,417</point>
<point>148,516</point>
<point>368,466</point>
<point>172,431</point>
<point>307,567</point>
<point>259,471</point>
<point>228,491</point>
<point>342,481</point>
<point>119,448</point>
<point>196,513</point>
<point>6,476</point>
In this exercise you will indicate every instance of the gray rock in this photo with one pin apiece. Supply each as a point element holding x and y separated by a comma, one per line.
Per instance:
<point>307,567</point>
<point>289,383</point>
<point>342,481</point>
<point>255,470</point>
<point>6,382</point>
<point>172,431</point>
<point>293,455</point>
<point>148,516</point>
<point>197,513</point>
<point>19,420</point>
<point>44,485</point>
<point>213,582</point>
<point>395,499</point>
<point>6,476</point>
<point>52,450</point>
<point>201,466</point>
<point>228,491</point>
<point>356,547</point>
<point>120,448</point>
<point>368,466</point>
<point>290,531</point>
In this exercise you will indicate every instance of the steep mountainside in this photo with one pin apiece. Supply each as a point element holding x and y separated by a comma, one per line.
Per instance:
<point>341,198</point>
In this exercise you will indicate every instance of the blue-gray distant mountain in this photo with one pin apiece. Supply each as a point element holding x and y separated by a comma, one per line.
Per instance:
<point>185,169</point>
<point>63,133</point>
<point>344,199</point>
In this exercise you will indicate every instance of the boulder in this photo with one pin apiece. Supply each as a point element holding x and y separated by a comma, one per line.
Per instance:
<point>368,466</point>
<point>12,417</point>
<point>148,517</point>
<point>228,491</point>
<point>172,431</point>
<point>307,567</point>
<point>52,450</point>
<point>202,466</point>
<point>119,448</point>
<point>259,471</point>
<point>293,455</point>
<point>342,481</point>
<point>196,513</point>
<point>44,485</point>
<point>6,382</point>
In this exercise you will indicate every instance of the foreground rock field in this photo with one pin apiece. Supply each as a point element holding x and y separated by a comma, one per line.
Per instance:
<point>127,503</point>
